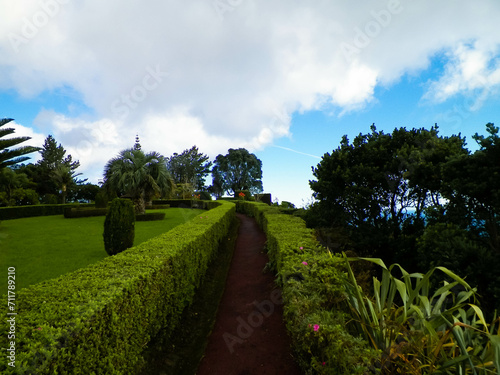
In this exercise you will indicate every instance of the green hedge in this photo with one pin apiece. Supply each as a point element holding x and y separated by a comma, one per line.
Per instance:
<point>312,282</point>
<point>72,212</point>
<point>98,320</point>
<point>18,212</point>
<point>150,216</point>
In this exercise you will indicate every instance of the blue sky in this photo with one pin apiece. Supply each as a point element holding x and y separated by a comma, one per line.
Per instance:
<point>285,80</point>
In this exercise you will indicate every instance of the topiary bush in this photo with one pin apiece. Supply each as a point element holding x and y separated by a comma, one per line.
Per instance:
<point>119,226</point>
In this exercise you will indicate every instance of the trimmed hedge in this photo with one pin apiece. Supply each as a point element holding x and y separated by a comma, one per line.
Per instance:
<point>97,320</point>
<point>312,282</point>
<point>150,216</point>
<point>158,207</point>
<point>18,212</point>
<point>72,212</point>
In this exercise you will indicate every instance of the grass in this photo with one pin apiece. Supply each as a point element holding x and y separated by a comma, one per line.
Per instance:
<point>42,248</point>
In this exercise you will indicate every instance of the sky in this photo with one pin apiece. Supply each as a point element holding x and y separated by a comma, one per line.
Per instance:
<point>285,79</point>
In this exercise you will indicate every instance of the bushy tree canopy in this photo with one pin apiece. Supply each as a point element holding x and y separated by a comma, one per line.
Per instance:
<point>237,170</point>
<point>138,175</point>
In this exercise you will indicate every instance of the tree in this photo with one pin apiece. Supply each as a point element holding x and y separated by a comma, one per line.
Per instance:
<point>237,170</point>
<point>10,157</point>
<point>15,188</point>
<point>381,184</point>
<point>138,175</point>
<point>472,187</point>
<point>190,167</point>
<point>64,177</point>
<point>53,168</point>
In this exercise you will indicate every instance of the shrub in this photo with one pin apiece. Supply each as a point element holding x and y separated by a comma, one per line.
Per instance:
<point>97,320</point>
<point>119,226</point>
<point>71,212</point>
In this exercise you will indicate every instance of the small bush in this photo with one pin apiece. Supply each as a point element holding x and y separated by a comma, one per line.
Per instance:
<point>119,226</point>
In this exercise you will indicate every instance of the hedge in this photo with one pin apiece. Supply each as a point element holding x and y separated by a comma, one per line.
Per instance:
<point>311,279</point>
<point>18,212</point>
<point>72,212</point>
<point>98,320</point>
<point>150,216</point>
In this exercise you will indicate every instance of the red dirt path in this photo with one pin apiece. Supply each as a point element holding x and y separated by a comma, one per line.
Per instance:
<point>249,336</point>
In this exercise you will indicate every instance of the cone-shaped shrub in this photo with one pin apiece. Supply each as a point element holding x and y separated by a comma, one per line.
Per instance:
<point>119,226</point>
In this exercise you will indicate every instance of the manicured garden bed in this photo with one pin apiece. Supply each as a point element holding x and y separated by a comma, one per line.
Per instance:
<point>45,247</point>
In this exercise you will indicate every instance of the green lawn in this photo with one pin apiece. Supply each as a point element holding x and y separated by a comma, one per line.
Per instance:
<point>46,247</point>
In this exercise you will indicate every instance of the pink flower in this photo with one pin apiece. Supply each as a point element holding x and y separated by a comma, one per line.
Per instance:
<point>324,363</point>
<point>301,248</point>
<point>304,263</point>
<point>316,327</point>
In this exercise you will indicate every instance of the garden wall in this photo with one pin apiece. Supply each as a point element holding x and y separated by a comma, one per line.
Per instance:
<point>312,281</point>
<point>99,319</point>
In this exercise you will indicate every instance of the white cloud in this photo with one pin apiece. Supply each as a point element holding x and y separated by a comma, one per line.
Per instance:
<point>183,73</point>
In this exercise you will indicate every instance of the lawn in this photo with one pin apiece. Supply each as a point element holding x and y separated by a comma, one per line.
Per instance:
<point>46,247</point>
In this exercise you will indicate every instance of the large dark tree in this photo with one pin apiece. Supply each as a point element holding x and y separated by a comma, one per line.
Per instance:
<point>374,185</point>
<point>472,187</point>
<point>237,170</point>
<point>190,167</point>
<point>9,156</point>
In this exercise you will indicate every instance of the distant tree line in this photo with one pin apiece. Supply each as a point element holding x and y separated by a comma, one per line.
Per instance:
<point>134,173</point>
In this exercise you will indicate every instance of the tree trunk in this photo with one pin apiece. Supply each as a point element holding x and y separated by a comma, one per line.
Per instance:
<point>140,205</point>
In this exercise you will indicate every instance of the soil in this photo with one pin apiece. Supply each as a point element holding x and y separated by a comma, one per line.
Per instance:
<point>249,336</point>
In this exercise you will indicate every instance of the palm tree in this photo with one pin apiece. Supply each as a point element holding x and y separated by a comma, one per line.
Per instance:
<point>139,175</point>
<point>64,177</point>
<point>10,157</point>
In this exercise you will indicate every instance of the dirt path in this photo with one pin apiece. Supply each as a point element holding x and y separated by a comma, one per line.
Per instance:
<point>249,335</point>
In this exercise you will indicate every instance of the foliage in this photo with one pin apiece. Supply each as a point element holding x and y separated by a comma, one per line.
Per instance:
<point>119,226</point>
<point>98,319</point>
<point>368,186</point>
<point>19,212</point>
<point>190,167</point>
<point>150,216</point>
<point>421,330</point>
<point>237,170</point>
<point>72,213</point>
<point>242,194</point>
<point>472,185</point>
<point>64,177</point>
<point>55,171</point>
<point>101,199</point>
<point>141,176</point>
<point>9,156</point>
<point>15,188</point>
<point>84,192</point>
<point>452,247</point>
